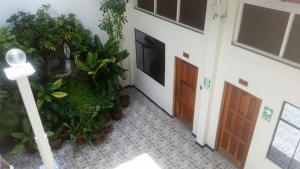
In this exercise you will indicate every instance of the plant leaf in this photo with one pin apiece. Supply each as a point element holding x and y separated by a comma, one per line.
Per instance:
<point>26,126</point>
<point>97,42</point>
<point>47,98</point>
<point>40,102</point>
<point>37,87</point>
<point>19,148</point>
<point>59,94</point>
<point>90,59</point>
<point>18,135</point>
<point>49,133</point>
<point>81,65</point>
<point>56,85</point>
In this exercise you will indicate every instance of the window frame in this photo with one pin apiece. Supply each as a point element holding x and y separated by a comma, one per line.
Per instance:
<point>292,8</point>
<point>177,20</point>
<point>275,130</point>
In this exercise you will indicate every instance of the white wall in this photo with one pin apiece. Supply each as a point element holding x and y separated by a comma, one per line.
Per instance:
<point>269,80</point>
<point>177,40</point>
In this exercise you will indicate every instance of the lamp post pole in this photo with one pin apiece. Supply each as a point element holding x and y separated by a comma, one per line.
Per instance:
<point>20,71</point>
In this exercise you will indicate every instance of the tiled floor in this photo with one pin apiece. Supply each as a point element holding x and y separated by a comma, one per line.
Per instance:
<point>145,131</point>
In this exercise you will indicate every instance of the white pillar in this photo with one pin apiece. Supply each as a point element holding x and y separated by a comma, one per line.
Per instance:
<point>20,74</point>
<point>35,120</point>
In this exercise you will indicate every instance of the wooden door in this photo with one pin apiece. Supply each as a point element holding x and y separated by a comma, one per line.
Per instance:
<point>239,114</point>
<point>185,91</point>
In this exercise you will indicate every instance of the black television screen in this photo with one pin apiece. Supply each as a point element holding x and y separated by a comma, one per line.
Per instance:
<point>150,56</point>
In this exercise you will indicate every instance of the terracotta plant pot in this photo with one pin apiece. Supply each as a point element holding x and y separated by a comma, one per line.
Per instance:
<point>80,140</point>
<point>6,141</point>
<point>108,128</point>
<point>117,115</point>
<point>124,100</point>
<point>56,143</point>
<point>65,135</point>
<point>30,149</point>
<point>97,138</point>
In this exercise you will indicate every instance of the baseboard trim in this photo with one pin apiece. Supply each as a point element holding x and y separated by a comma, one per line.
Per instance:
<point>205,146</point>
<point>152,101</point>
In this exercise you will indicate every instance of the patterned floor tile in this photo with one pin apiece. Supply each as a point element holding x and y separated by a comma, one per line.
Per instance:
<point>145,129</point>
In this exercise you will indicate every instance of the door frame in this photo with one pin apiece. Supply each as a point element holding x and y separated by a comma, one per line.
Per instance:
<point>217,140</point>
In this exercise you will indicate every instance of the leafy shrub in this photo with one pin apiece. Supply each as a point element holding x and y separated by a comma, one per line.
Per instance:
<point>48,33</point>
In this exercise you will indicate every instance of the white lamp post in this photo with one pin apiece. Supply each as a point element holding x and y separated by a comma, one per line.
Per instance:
<point>19,71</point>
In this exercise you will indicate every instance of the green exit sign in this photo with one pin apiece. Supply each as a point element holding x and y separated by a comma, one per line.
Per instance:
<point>267,114</point>
<point>207,83</point>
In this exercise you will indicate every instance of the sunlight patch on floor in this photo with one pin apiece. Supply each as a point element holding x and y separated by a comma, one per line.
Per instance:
<point>142,161</point>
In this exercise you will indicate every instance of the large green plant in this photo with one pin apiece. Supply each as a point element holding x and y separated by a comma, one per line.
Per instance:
<point>113,18</point>
<point>102,64</point>
<point>48,33</point>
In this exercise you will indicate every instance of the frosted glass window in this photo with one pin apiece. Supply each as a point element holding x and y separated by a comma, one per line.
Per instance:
<point>284,150</point>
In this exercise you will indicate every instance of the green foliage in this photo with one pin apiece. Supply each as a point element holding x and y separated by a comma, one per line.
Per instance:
<point>113,18</point>
<point>86,109</point>
<point>101,64</point>
<point>10,114</point>
<point>48,99</point>
<point>26,137</point>
<point>47,33</point>
<point>81,95</point>
<point>48,92</point>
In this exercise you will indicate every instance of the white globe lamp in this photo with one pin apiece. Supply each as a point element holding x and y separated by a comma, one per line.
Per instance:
<point>15,57</point>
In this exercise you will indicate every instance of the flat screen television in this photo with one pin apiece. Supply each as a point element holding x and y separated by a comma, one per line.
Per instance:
<point>150,56</point>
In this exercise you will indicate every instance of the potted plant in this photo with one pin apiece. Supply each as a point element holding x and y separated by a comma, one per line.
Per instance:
<point>108,127</point>
<point>76,132</point>
<point>116,112</point>
<point>65,134</point>
<point>98,133</point>
<point>124,100</point>
<point>55,140</point>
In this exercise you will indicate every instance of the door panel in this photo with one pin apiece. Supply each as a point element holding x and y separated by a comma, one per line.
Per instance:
<point>239,114</point>
<point>185,91</point>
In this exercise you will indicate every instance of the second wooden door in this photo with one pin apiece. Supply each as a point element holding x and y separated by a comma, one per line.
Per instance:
<point>185,91</point>
<point>239,115</point>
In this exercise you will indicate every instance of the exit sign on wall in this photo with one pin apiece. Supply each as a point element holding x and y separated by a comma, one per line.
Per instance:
<point>267,114</point>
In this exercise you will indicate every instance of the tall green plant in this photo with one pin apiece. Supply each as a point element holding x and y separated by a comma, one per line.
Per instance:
<point>113,18</point>
<point>102,63</point>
